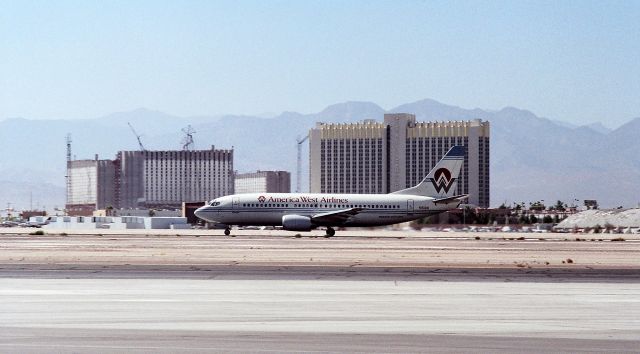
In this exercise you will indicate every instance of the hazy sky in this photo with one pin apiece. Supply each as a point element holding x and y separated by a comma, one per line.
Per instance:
<point>577,61</point>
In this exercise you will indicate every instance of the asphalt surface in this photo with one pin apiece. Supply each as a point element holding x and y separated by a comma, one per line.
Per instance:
<point>152,294</point>
<point>187,315</point>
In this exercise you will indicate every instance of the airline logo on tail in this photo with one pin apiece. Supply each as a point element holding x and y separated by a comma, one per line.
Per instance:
<point>442,180</point>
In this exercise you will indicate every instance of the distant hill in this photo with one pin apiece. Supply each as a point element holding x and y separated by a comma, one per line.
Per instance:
<point>599,127</point>
<point>532,158</point>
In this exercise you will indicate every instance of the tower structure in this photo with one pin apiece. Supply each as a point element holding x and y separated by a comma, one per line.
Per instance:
<point>68,176</point>
<point>299,163</point>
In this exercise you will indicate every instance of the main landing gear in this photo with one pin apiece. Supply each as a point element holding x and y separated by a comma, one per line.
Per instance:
<point>227,231</point>
<point>330,232</point>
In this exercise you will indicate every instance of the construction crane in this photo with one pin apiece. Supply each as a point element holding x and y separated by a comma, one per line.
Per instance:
<point>187,141</point>
<point>299,172</point>
<point>137,137</point>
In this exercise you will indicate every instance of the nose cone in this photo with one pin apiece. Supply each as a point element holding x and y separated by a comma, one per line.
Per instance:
<point>199,213</point>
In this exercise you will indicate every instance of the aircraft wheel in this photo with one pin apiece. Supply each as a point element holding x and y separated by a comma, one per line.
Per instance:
<point>330,232</point>
<point>227,232</point>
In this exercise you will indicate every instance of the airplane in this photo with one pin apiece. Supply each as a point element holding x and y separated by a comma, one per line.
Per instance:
<point>306,211</point>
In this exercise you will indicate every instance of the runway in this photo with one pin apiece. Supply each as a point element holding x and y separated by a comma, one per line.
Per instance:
<point>160,315</point>
<point>144,294</point>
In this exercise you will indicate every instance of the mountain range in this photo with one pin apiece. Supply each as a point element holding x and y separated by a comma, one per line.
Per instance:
<point>532,158</point>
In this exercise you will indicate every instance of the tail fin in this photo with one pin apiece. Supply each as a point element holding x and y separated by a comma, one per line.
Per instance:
<point>442,179</point>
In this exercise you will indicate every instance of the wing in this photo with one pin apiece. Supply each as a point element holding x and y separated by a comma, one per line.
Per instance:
<point>336,217</point>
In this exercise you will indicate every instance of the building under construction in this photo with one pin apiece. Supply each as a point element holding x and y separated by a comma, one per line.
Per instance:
<point>148,179</point>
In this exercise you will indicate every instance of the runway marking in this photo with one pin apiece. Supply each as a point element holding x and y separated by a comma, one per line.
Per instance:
<point>160,348</point>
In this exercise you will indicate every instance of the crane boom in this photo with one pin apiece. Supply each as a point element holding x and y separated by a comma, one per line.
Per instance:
<point>299,172</point>
<point>137,137</point>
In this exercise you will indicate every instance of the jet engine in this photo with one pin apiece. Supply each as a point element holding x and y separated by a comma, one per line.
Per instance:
<point>296,223</point>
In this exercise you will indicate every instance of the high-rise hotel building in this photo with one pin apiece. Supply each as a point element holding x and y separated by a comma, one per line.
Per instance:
<point>382,157</point>
<point>149,179</point>
<point>263,182</point>
<point>90,185</point>
<point>165,179</point>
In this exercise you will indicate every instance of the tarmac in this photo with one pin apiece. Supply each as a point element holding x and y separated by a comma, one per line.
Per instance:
<point>268,292</point>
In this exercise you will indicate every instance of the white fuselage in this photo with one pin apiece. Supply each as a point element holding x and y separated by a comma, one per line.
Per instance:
<point>268,209</point>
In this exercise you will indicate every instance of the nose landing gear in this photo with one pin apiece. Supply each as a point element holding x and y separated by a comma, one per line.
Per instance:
<point>227,231</point>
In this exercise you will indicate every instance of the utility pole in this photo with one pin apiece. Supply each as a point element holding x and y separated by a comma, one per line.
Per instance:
<point>464,215</point>
<point>9,210</point>
<point>68,176</point>
<point>299,171</point>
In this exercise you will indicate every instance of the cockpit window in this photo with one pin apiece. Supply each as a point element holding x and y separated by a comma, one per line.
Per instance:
<point>214,203</point>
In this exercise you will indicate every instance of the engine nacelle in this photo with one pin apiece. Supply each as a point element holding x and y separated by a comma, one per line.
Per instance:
<point>296,223</point>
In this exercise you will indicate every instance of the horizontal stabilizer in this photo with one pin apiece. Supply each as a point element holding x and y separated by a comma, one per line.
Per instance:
<point>447,200</point>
